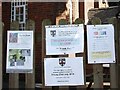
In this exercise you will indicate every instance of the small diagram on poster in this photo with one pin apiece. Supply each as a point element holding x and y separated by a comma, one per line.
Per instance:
<point>64,39</point>
<point>19,52</point>
<point>100,43</point>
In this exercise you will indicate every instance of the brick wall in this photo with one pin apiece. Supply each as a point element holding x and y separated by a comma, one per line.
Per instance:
<point>81,10</point>
<point>6,21</point>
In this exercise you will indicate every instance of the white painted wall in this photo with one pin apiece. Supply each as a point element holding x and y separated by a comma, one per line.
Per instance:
<point>88,4</point>
<point>75,7</point>
<point>103,5</point>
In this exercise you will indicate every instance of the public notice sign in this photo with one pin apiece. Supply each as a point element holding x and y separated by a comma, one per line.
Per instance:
<point>63,71</point>
<point>64,39</point>
<point>100,43</point>
<point>19,52</point>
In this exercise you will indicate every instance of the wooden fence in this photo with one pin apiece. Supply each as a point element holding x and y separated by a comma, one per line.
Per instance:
<point>1,55</point>
<point>98,75</point>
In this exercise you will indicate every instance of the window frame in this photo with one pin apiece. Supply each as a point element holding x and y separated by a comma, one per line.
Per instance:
<point>22,17</point>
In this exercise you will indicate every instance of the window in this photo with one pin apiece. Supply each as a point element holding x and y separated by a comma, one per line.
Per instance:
<point>19,12</point>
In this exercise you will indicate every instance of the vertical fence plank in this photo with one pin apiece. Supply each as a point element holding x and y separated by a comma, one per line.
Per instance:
<point>14,77</point>
<point>1,33</point>
<point>14,25</point>
<point>63,22</point>
<point>98,76</point>
<point>81,21</point>
<point>30,77</point>
<point>98,68</point>
<point>118,61</point>
<point>44,23</point>
<point>113,67</point>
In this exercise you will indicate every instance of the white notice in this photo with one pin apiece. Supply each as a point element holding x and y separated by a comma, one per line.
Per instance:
<point>64,39</point>
<point>64,71</point>
<point>100,43</point>
<point>19,52</point>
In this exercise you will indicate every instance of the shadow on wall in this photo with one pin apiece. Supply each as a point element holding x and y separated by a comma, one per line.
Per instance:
<point>114,3</point>
<point>61,7</point>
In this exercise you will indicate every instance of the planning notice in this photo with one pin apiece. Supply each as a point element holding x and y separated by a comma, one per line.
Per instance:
<point>64,39</point>
<point>64,71</point>
<point>100,43</point>
<point>19,52</point>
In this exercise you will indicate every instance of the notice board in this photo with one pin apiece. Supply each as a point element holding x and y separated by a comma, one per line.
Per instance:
<point>63,71</point>
<point>19,52</point>
<point>64,39</point>
<point>101,43</point>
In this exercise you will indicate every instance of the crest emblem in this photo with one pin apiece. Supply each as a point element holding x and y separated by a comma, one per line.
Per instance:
<point>62,61</point>
<point>53,33</point>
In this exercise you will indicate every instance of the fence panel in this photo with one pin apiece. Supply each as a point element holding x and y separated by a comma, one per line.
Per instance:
<point>1,55</point>
<point>14,77</point>
<point>44,23</point>
<point>30,77</point>
<point>114,66</point>
<point>63,22</point>
<point>97,68</point>
<point>118,61</point>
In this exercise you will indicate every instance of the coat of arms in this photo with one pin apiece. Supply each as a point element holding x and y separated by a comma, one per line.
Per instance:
<point>53,33</point>
<point>62,61</point>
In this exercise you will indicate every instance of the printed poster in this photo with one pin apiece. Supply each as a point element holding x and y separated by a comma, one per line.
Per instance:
<point>19,52</point>
<point>64,39</point>
<point>100,43</point>
<point>63,71</point>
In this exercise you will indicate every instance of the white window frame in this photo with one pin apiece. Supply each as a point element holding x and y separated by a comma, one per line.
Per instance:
<point>24,16</point>
<point>19,4</point>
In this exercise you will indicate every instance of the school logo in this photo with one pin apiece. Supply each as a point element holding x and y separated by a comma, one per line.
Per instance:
<point>53,33</point>
<point>62,61</point>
